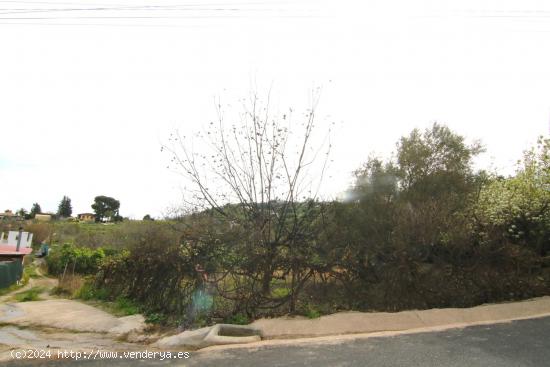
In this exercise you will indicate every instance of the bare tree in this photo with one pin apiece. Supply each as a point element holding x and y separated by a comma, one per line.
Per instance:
<point>260,179</point>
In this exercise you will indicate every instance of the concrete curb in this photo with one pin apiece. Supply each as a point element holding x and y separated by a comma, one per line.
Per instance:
<point>335,339</point>
<point>361,323</point>
<point>351,325</point>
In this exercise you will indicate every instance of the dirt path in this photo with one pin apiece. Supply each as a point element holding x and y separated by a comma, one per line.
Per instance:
<point>15,338</point>
<point>62,324</point>
<point>41,281</point>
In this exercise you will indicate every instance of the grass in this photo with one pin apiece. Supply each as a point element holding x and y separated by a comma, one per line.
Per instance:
<point>313,314</point>
<point>155,318</point>
<point>69,286</point>
<point>125,306</point>
<point>88,292</point>
<point>10,289</point>
<point>238,319</point>
<point>30,272</point>
<point>121,306</point>
<point>311,311</point>
<point>29,295</point>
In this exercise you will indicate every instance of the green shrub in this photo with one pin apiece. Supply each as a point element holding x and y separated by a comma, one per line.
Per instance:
<point>155,318</point>
<point>121,306</point>
<point>89,292</point>
<point>281,292</point>
<point>29,295</point>
<point>81,260</point>
<point>154,273</point>
<point>29,271</point>
<point>312,312</point>
<point>238,319</point>
<point>125,306</point>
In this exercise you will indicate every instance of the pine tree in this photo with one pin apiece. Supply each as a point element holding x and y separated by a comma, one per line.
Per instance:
<point>35,210</point>
<point>65,208</point>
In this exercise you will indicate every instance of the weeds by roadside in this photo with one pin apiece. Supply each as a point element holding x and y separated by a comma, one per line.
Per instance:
<point>78,287</point>
<point>10,289</point>
<point>29,295</point>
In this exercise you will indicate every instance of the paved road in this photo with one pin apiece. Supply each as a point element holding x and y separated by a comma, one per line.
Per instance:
<point>521,343</point>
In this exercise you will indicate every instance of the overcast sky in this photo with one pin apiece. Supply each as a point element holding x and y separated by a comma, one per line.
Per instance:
<point>89,90</point>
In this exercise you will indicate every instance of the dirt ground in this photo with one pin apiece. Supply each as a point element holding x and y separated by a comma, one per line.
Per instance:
<point>56,323</point>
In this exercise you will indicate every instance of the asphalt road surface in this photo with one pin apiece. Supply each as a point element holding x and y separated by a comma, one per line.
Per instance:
<point>520,343</point>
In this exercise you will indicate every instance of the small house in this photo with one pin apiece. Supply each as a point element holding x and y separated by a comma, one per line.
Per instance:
<point>86,217</point>
<point>42,217</point>
<point>7,215</point>
<point>13,249</point>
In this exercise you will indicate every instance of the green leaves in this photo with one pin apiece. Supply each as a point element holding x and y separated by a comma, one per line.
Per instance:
<point>83,260</point>
<point>35,210</point>
<point>435,161</point>
<point>520,205</point>
<point>65,208</point>
<point>106,208</point>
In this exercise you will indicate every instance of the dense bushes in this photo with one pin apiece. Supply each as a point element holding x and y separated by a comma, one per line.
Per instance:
<point>423,230</point>
<point>116,236</point>
<point>81,260</point>
<point>155,274</point>
<point>41,232</point>
<point>426,231</point>
<point>519,207</point>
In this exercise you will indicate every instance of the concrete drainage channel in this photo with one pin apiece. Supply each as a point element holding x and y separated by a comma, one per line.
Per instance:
<point>232,334</point>
<point>220,334</point>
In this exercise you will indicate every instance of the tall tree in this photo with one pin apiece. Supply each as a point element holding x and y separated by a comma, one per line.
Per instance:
<point>106,208</point>
<point>435,160</point>
<point>35,210</point>
<point>404,213</point>
<point>22,212</point>
<point>438,183</point>
<point>260,183</point>
<point>65,208</point>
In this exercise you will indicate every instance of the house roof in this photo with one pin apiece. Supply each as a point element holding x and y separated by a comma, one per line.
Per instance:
<point>10,250</point>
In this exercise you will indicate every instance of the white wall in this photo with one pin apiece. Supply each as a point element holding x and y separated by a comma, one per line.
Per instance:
<point>26,239</point>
